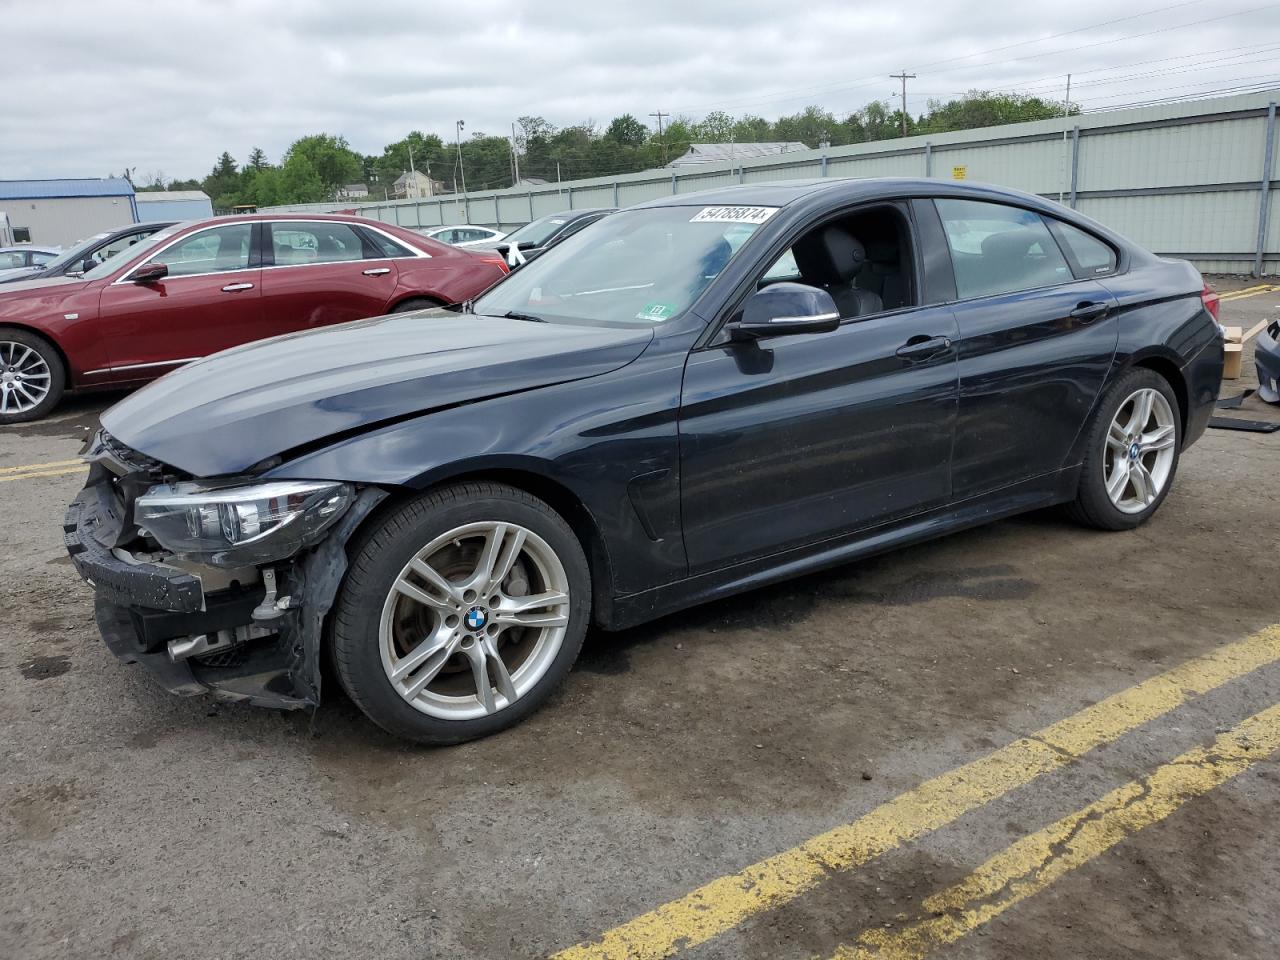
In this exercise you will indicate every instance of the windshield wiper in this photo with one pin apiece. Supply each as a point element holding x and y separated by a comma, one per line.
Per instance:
<point>514,315</point>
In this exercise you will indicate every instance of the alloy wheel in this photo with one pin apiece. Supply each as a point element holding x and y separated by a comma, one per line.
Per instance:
<point>25,378</point>
<point>1140,450</point>
<point>474,620</point>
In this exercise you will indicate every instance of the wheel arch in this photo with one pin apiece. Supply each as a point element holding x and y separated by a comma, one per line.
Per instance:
<point>1172,373</point>
<point>431,298</point>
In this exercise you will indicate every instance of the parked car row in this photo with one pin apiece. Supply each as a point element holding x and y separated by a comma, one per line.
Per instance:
<point>192,289</point>
<point>24,258</point>
<point>698,396</point>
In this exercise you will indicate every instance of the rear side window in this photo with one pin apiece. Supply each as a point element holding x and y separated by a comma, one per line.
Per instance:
<point>296,243</point>
<point>382,246</point>
<point>998,249</point>
<point>1092,257</point>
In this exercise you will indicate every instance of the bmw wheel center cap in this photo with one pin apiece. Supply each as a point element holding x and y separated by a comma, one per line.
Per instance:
<point>1133,452</point>
<point>476,619</point>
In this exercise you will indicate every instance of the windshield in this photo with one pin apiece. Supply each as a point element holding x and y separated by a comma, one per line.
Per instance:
<point>538,232</point>
<point>77,252</point>
<point>133,254</point>
<point>634,267</point>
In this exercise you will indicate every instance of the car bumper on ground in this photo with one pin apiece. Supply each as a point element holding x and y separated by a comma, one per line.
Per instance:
<point>1266,356</point>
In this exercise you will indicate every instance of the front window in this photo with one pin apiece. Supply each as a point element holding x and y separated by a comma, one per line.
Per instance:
<point>12,258</point>
<point>634,267</point>
<point>219,250</point>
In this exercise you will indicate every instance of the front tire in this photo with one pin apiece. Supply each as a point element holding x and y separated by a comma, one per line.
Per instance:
<point>414,304</point>
<point>1131,453</point>
<point>32,376</point>
<point>461,612</point>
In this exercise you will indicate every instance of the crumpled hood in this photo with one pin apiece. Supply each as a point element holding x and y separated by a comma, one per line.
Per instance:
<point>227,412</point>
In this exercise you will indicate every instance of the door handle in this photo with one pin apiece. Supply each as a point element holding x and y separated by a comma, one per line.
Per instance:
<point>376,271</point>
<point>922,347</point>
<point>1088,311</point>
<point>237,287</point>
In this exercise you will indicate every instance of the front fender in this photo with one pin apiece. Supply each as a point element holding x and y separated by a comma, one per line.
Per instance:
<point>610,441</point>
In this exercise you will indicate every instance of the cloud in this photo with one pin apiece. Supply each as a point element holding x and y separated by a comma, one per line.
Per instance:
<point>162,86</point>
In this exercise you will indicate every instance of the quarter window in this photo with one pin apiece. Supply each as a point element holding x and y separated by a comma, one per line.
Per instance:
<point>999,249</point>
<point>1092,256</point>
<point>217,250</point>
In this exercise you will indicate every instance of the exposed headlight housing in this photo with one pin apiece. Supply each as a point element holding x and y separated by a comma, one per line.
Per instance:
<point>238,526</point>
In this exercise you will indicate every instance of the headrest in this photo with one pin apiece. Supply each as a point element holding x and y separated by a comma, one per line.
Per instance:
<point>886,253</point>
<point>830,255</point>
<point>1010,244</point>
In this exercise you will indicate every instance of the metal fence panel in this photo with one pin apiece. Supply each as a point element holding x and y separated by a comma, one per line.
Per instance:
<point>1180,178</point>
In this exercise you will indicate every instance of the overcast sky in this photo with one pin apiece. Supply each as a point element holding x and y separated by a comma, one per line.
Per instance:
<point>92,87</point>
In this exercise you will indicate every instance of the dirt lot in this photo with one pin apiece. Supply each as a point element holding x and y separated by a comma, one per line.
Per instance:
<point>135,824</point>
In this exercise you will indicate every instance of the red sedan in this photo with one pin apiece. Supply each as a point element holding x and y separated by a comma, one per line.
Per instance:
<point>196,288</point>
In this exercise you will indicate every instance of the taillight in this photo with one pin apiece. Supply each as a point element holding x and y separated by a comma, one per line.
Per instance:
<point>1211,301</point>
<point>500,262</point>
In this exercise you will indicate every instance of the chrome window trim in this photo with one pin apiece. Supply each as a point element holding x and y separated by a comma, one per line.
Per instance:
<point>417,254</point>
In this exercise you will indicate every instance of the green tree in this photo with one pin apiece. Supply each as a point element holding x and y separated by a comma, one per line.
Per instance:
<point>300,182</point>
<point>982,108</point>
<point>715,127</point>
<point>626,131</point>
<point>257,159</point>
<point>328,157</point>
<point>223,181</point>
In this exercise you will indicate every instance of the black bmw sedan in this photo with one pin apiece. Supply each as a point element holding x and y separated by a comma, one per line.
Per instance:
<point>697,396</point>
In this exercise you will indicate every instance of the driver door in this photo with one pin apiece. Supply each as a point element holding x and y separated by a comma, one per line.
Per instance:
<point>210,300</point>
<point>794,440</point>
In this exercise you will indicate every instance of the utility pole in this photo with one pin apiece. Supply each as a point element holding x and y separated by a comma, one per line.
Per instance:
<point>515,157</point>
<point>413,176</point>
<point>1066,111</point>
<point>904,77</point>
<point>662,142</point>
<point>462,171</point>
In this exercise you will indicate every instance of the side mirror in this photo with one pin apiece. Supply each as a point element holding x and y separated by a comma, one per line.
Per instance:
<point>150,273</point>
<point>786,308</point>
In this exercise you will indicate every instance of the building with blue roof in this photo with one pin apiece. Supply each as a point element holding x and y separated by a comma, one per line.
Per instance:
<point>60,212</point>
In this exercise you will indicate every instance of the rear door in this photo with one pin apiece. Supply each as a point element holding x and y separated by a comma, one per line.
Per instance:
<point>1037,337</point>
<point>210,300</point>
<point>322,272</point>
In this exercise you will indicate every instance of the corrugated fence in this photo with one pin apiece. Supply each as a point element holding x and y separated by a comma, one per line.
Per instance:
<point>1192,180</point>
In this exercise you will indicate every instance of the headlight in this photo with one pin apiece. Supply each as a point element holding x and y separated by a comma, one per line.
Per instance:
<point>238,526</point>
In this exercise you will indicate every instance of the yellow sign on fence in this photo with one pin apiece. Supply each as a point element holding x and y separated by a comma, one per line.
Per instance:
<point>959,173</point>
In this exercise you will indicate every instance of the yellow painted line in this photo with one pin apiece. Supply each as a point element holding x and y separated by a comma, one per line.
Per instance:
<point>43,473</point>
<point>1033,863</point>
<point>41,466</point>
<point>1248,292</point>
<point>725,902</point>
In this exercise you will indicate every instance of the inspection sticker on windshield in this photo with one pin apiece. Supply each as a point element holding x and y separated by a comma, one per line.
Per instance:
<point>656,311</point>
<point>733,214</point>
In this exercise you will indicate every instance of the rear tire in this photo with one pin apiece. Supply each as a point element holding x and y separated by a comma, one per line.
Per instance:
<point>1132,447</point>
<point>416,303</point>
<point>32,376</point>
<point>461,613</point>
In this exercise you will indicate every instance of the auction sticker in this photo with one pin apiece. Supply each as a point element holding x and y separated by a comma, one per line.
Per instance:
<point>733,214</point>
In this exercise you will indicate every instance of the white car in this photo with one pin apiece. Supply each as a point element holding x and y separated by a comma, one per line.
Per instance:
<point>464,235</point>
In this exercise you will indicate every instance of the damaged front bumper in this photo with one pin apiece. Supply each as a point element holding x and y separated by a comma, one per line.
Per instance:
<point>1266,356</point>
<point>254,636</point>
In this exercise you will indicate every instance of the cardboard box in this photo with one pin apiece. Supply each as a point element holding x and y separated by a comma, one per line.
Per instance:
<point>1233,352</point>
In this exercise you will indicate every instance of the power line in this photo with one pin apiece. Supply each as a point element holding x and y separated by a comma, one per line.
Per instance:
<point>858,83</point>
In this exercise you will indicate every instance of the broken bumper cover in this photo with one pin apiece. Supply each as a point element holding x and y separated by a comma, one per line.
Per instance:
<point>1266,356</point>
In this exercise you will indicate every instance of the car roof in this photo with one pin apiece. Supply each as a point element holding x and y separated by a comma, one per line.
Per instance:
<point>29,248</point>
<point>784,192</point>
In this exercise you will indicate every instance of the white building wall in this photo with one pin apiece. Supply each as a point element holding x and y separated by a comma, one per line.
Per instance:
<point>61,221</point>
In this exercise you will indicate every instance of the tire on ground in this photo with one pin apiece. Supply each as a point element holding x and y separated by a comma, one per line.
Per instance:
<point>52,360</point>
<point>376,561</point>
<point>1092,506</point>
